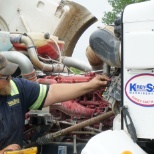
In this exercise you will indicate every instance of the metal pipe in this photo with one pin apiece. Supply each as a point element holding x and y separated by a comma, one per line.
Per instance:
<point>76,63</point>
<point>25,65</point>
<point>18,38</point>
<point>20,59</point>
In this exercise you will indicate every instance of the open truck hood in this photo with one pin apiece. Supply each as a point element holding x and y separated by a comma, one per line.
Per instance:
<point>64,19</point>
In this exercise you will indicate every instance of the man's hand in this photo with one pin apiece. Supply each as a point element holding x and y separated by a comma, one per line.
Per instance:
<point>10,147</point>
<point>98,82</point>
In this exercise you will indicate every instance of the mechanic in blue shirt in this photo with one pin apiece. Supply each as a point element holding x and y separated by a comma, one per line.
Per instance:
<point>18,96</point>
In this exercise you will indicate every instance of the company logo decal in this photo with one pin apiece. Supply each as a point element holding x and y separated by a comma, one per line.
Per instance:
<point>140,89</point>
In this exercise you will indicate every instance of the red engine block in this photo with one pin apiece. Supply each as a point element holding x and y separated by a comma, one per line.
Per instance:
<point>85,107</point>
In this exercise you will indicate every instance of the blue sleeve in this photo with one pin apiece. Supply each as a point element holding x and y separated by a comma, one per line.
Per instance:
<point>30,93</point>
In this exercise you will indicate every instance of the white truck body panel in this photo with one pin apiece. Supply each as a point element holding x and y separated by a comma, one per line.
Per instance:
<point>108,142</point>
<point>138,66</point>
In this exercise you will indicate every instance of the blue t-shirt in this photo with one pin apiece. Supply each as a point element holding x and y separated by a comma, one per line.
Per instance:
<point>12,111</point>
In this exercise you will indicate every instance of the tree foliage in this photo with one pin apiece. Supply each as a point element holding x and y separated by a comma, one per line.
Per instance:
<point>75,71</point>
<point>117,8</point>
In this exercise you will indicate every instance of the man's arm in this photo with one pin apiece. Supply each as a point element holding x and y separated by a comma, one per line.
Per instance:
<point>63,92</point>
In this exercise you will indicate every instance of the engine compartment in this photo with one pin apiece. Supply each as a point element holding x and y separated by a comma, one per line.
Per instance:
<point>78,116</point>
